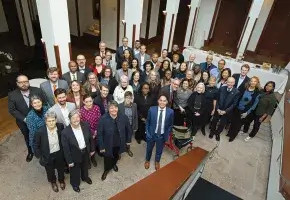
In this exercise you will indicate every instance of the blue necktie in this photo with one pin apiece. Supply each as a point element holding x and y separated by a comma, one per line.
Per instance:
<point>160,122</point>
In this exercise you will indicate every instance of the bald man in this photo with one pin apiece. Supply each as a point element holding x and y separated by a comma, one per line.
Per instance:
<point>209,66</point>
<point>227,99</point>
<point>82,68</point>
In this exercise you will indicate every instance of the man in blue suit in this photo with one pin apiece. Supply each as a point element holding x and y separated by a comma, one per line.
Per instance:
<point>159,125</point>
<point>227,100</point>
<point>209,66</point>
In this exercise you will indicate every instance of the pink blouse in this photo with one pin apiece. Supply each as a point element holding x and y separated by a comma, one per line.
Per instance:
<point>91,116</point>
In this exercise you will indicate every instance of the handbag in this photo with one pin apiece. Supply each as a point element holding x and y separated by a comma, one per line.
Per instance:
<point>181,132</point>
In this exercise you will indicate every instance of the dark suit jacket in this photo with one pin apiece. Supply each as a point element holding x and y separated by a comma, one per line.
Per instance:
<point>67,78</point>
<point>113,83</point>
<point>134,114</point>
<point>98,102</point>
<point>41,150</point>
<point>241,88</point>
<point>119,53</point>
<point>86,72</point>
<point>70,144</point>
<point>17,106</point>
<point>151,122</point>
<point>106,133</point>
<point>227,103</point>
<point>166,91</point>
<point>191,102</point>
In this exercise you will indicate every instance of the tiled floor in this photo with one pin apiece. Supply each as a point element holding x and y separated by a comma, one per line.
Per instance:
<point>238,167</point>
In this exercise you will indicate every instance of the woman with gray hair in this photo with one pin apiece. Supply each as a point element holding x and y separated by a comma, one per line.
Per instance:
<point>49,150</point>
<point>121,89</point>
<point>77,144</point>
<point>35,117</point>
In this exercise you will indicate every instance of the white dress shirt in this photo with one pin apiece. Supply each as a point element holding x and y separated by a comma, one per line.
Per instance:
<point>53,140</point>
<point>82,69</point>
<point>72,76</point>
<point>142,59</point>
<point>241,79</point>
<point>65,113</point>
<point>163,119</point>
<point>80,137</point>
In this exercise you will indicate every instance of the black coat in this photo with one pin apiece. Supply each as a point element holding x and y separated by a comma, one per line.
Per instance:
<point>70,144</point>
<point>41,150</point>
<point>190,110</point>
<point>227,102</point>
<point>113,83</point>
<point>98,101</point>
<point>106,133</point>
<point>242,87</point>
<point>17,106</point>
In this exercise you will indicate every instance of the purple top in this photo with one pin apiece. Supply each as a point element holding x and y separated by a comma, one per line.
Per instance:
<point>92,117</point>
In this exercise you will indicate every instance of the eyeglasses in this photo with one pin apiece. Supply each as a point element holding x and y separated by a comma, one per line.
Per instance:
<point>22,82</point>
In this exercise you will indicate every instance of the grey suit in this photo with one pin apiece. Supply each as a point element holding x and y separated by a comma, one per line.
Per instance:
<point>120,73</point>
<point>47,90</point>
<point>190,65</point>
<point>134,114</point>
<point>146,58</point>
<point>59,115</point>
<point>80,77</point>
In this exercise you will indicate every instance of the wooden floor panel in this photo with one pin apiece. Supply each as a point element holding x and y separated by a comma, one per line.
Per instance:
<point>7,122</point>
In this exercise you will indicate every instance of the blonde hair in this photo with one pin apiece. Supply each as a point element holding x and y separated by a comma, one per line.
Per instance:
<point>200,84</point>
<point>149,77</point>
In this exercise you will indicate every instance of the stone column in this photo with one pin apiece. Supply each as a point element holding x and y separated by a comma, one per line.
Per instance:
<point>54,23</point>
<point>249,25</point>
<point>132,20</point>
<point>3,22</point>
<point>194,7</point>
<point>25,22</point>
<point>170,20</point>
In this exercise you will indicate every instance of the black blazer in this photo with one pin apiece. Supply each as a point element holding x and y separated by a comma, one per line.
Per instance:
<point>241,88</point>
<point>80,77</point>
<point>98,102</point>
<point>70,144</point>
<point>119,53</point>
<point>166,91</point>
<point>191,102</point>
<point>17,106</point>
<point>113,83</point>
<point>227,102</point>
<point>86,72</point>
<point>41,150</point>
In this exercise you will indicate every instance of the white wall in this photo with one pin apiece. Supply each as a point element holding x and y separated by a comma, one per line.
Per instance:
<point>122,17</point>
<point>204,19</point>
<point>3,22</point>
<point>260,25</point>
<point>109,23</point>
<point>154,18</point>
<point>144,19</point>
<point>72,16</point>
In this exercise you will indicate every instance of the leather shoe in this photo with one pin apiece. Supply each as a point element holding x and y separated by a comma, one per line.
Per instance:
<point>139,141</point>
<point>130,153</point>
<point>115,168</point>
<point>147,165</point>
<point>88,181</point>
<point>231,139</point>
<point>54,187</point>
<point>66,170</point>
<point>104,176</point>
<point>217,137</point>
<point>62,185</point>
<point>157,165</point>
<point>76,189</point>
<point>210,136</point>
<point>29,157</point>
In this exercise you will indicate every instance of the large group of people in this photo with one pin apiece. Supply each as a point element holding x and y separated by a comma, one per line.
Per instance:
<point>98,108</point>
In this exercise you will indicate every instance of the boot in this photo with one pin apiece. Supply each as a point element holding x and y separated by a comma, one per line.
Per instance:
<point>93,160</point>
<point>129,151</point>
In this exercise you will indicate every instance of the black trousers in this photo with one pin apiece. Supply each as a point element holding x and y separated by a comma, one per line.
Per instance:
<point>178,118</point>
<point>25,132</point>
<point>236,123</point>
<point>140,133</point>
<point>56,161</point>
<point>109,161</point>
<point>80,170</point>
<point>256,126</point>
<point>218,123</point>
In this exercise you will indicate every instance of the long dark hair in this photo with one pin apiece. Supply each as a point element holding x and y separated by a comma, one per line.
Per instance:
<point>137,67</point>
<point>140,89</point>
<point>228,70</point>
<point>270,82</point>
